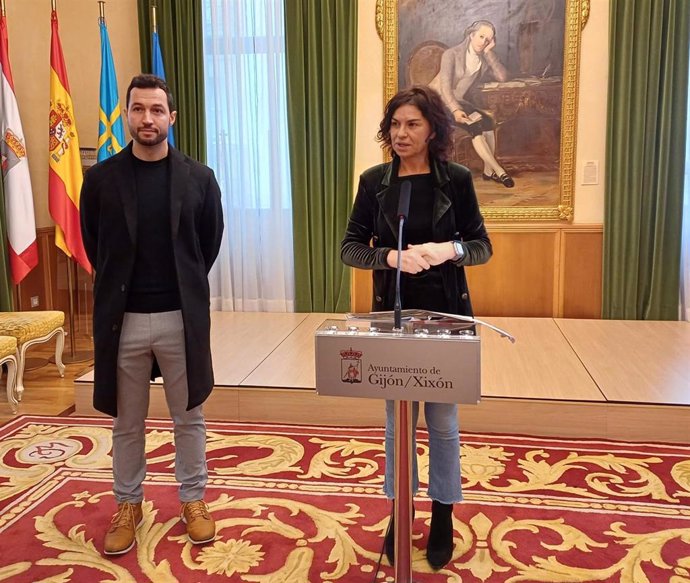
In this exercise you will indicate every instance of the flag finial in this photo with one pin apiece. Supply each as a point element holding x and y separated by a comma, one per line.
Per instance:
<point>154,23</point>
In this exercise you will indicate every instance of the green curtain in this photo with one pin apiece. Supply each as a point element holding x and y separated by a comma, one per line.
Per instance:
<point>321,48</point>
<point>6,286</point>
<point>181,37</point>
<point>645,152</point>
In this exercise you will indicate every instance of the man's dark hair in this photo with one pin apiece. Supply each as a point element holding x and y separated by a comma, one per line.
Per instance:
<point>146,81</point>
<point>434,111</point>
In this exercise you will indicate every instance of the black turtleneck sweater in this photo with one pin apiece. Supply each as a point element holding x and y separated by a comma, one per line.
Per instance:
<point>423,290</point>
<point>153,287</point>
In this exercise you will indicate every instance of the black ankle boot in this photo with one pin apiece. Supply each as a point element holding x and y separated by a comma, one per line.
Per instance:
<point>389,541</point>
<point>439,549</point>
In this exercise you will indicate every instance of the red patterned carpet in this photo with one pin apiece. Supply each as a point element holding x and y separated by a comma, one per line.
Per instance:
<point>298,504</point>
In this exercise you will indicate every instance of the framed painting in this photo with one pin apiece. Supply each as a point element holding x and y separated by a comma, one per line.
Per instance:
<point>508,72</point>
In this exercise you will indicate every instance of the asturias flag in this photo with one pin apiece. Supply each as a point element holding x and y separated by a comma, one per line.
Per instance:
<point>158,70</point>
<point>111,132</point>
<point>65,173</point>
<point>19,200</point>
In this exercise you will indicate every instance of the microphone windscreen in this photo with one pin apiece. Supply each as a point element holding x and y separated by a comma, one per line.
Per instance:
<point>404,200</point>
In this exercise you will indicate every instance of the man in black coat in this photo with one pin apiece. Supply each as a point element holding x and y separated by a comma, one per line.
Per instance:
<point>152,223</point>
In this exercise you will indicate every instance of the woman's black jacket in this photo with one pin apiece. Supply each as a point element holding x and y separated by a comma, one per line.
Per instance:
<point>373,227</point>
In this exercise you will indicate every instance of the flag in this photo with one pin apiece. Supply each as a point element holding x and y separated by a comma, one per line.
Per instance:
<point>65,173</point>
<point>19,200</point>
<point>158,70</point>
<point>111,132</point>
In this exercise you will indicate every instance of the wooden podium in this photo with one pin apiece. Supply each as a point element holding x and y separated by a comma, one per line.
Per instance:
<point>432,357</point>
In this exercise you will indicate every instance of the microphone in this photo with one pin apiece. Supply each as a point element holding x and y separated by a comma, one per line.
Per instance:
<point>404,200</point>
<point>403,211</point>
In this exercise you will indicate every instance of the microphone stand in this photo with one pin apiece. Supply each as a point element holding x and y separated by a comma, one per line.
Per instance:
<point>403,209</point>
<point>403,460</point>
<point>397,306</point>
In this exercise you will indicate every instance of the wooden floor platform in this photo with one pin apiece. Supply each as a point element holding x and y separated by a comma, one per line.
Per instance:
<point>625,380</point>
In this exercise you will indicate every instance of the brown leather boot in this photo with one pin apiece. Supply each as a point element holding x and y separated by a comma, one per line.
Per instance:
<point>201,528</point>
<point>120,537</point>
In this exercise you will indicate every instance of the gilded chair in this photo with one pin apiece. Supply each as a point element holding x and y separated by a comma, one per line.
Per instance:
<point>30,328</point>
<point>8,357</point>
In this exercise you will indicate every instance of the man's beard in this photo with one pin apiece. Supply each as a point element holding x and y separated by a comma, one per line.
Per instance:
<point>152,141</point>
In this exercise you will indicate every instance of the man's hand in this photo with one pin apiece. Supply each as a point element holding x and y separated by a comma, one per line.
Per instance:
<point>435,253</point>
<point>411,260</point>
<point>461,117</point>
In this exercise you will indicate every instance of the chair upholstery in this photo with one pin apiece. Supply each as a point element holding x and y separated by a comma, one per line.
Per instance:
<point>29,328</point>
<point>8,356</point>
<point>30,325</point>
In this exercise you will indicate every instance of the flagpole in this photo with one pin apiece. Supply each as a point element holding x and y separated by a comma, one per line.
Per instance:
<point>154,24</point>
<point>19,289</point>
<point>71,357</point>
<point>101,15</point>
<point>74,355</point>
<point>19,285</point>
<point>157,67</point>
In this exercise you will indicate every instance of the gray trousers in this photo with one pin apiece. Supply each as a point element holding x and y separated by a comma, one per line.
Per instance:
<point>142,337</point>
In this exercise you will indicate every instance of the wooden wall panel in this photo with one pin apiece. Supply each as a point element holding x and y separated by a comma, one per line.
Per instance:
<point>362,290</point>
<point>38,284</point>
<point>48,284</point>
<point>536,271</point>
<point>581,259</point>
<point>520,278</point>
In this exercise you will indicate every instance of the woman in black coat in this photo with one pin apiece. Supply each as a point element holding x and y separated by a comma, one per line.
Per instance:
<point>444,232</point>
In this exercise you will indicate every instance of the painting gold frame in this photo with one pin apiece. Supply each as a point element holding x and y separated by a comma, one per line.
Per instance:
<point>576,16</point>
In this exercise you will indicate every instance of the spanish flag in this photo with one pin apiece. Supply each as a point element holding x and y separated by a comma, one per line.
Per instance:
<point>65,173</point>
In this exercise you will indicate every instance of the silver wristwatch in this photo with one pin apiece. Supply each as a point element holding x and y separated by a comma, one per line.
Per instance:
<point>459,251</point>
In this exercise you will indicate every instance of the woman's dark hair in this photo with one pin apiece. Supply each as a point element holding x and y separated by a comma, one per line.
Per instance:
<point>434,111</point>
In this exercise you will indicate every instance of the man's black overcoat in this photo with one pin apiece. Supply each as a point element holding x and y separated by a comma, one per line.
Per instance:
<point>108,208</point>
